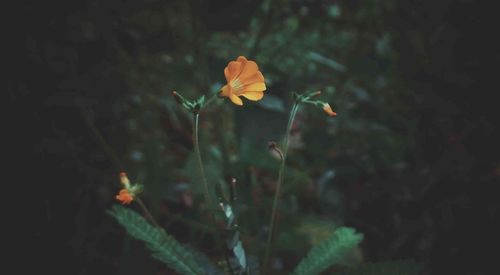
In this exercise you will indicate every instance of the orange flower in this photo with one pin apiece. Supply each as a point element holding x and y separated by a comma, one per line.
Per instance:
<point>328,109</point>
<point>125,197</point>
<point>243,79</point>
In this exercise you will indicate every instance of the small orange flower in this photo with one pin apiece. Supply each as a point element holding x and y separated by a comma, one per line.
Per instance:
<point>328,109</point>
<point>243,79</point>
<point>125,197</point>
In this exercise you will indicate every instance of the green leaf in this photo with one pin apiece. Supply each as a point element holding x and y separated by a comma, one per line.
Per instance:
<point>329,252</point>
<point>163,246</point>
<point>208,266</point>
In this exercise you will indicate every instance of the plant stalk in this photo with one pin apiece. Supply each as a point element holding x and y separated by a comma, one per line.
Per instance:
<point>147,213</point>
<point>281,176</point>
<point>214,96</point>
<point>206,192</point>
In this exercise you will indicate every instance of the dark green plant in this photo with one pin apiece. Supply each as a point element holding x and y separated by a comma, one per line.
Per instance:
<point>329,252</point>
<point>163,246</point>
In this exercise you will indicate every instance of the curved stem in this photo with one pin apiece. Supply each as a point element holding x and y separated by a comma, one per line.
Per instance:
<point>208,200</point>
<point>281,176</point>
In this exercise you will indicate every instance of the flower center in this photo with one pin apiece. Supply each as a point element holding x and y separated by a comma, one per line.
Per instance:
<point>236,84</point>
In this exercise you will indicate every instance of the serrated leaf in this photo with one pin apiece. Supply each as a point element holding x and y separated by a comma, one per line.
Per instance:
<point>329,252</point>
<point>163,246</point>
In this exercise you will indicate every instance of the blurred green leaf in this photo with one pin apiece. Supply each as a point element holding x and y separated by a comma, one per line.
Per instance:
<point>329,252</point>
<point>163,246</point>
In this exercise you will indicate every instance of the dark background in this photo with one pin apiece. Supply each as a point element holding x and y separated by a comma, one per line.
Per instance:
<point>79,74</point>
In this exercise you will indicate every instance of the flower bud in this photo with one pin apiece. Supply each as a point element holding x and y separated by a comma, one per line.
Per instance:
<point>124,180</point>
<point>328,109</point>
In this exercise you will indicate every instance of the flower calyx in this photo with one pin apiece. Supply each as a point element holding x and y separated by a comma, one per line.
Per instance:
<point>192,106</point>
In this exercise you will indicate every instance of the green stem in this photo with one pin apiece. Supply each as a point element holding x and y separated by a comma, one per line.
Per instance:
<point>214,96</point>
<point>208,199</point>
<point>281,176</point>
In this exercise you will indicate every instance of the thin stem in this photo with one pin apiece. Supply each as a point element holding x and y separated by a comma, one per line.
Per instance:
<point>204,178</point>
<point>214,96</point>
<point>100,139</point>
<point>281,176</point>
<point>208,200</point>
<point>147,213</point>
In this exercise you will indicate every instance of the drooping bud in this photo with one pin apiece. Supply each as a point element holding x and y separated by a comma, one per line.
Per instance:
<point>328,109</point>
<point>275,150</point>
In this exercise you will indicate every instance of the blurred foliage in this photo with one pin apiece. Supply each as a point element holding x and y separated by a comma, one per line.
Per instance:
<point>299,46</point>
<point>396,163</point>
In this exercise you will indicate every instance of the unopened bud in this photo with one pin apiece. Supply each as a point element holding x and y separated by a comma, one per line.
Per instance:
<point>178,97</point>
<point>315,94</point>
<point>275,149</point>
<point>124,180</point>
<point>328,109</point>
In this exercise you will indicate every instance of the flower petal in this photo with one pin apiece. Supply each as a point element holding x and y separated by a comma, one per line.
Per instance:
<point>248,70</point>
<point>258,86</point>
<point>124,196</point>
<point>232,70</point>
<point>225,91</point>
<point>253,78</point>
<point>253,95</point>
<point>235,99</point>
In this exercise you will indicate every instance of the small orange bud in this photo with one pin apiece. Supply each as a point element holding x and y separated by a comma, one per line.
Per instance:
<point>124,180</point>
<point>125,197</point>
<point>328,109</point>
